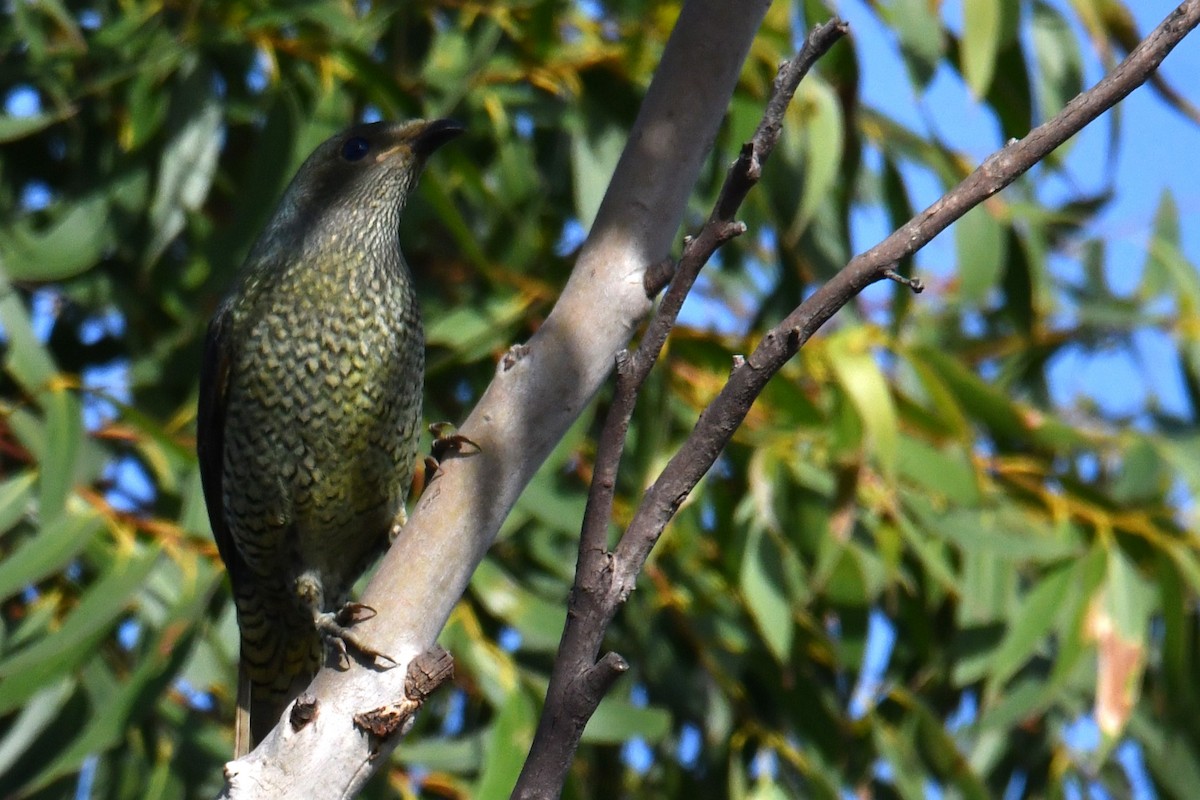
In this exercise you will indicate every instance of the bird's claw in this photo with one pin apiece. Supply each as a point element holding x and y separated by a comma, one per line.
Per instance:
<point>431,468</point>
<point>445,444</point>
<point>334,628</point>
<point>354,613</point>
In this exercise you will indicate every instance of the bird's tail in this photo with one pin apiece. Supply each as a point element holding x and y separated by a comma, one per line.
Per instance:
<point>241,721</point>
<point>279,657</point>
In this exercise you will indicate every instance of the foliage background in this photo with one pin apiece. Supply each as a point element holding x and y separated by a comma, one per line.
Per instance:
<point>917,570</point>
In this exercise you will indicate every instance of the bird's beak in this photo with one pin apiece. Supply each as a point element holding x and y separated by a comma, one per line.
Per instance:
<point>435,134</point>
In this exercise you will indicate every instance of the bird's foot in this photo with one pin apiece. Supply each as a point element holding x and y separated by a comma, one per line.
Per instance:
<point>444,444</point>
<point>334,628</point>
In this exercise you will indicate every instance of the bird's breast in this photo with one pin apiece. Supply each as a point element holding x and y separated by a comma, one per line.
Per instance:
<point>322,418</point>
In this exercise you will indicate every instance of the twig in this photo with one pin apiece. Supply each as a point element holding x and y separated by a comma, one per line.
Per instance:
<point>605,579</point>
<point>725,413</point>
<point>912,283</point>
<point>578,680</point>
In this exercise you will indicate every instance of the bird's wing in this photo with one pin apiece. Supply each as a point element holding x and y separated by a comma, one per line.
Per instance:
<point>210,436</point>
<point>210,447</point>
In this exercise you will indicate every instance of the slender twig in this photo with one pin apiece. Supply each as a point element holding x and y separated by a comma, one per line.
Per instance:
<point>605,579</point>
<point>915,284</point>
<point>726,412</point>
<point>579,681</point>
<point>721,226</point>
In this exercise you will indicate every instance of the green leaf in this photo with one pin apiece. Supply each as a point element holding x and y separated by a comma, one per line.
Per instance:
<point>56,543</point>
<point>940,746</point>
<point>817,105</point>
<point>594,155</point>
<point>766,789</point>
<point>1144,475</point>
<point>921,37</point>
<point>1010,95</point>
<point>857,372</point>
<point>946,472</point>
<point>188,162</point>
<point>1007,533</point>
<point>942,405</point>
<point>493,671</point>
<point>64,428</point>
<point>435,192</point>
<point>193,515</point>
<point>906,771</point>
<point>1032,622</point>
<point>981,246</point>
<point>14,128</point>
<point>72,243</point>
<point>1171,760</point>
<point>849,575</point>
<point>25,359</point>
<point>988,587</point>
<point>452,57</point>
<point>1024,276</point>
<point>998,411</point>
<point>33,718</point>
<point>461,755</point>
<point>762,584</point>
<point>119,700</point>
<point>1128,597</point>
<point>1187,561</point>
<point>473,332</point>
<point>980,44</point>
<point>1166,269</point>
<point>15,493</point>
<point>1060,65</point>
<point>147,105</point>
<point>616,721</point>
<point>506,746</point>
<point>1021,701</point>
<point>931,553</point>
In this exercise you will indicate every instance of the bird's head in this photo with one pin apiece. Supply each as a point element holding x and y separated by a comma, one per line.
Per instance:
<point>361,177</point>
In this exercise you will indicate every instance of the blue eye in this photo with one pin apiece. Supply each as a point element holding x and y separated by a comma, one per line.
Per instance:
<point>354,149</point>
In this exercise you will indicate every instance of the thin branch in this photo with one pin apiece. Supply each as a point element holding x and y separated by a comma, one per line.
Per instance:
<point>726,412</point>
<point>915,284</point>
<point>575,689</point>
<point>721,226</point>
<point>605,579</point>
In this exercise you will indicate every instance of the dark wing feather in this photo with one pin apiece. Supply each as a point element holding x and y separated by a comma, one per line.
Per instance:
<point>210,447</point>
<point>210,437</point>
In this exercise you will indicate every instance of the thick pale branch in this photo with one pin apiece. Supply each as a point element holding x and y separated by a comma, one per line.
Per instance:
<point>534,398</point>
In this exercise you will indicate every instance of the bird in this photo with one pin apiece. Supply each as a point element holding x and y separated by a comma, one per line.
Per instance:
<point>309,408</point>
